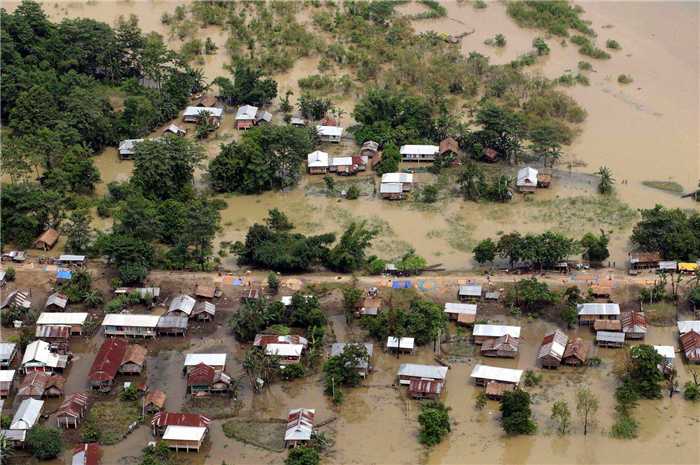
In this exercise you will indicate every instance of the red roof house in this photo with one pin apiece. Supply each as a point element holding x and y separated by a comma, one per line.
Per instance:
<point>109,358</point>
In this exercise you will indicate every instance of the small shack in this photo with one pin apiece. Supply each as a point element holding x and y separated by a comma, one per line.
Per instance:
<point>127,148</point>
<point>185,437</point>
<point>369,149</point>
<point>691,346</point>
<point>544,180</point>
<point>154,401</point>
<point>72,410</point>
<point>607,325</point>
<point>70,260</point>
<point>300,423</point>
<point>130,325</point>
<point>38,384</point>
<point>27,415</point>
<point>175,129</point>
<point>250,295</point>
<point>362,366</point>
<point>331,134</point>
<point>56,302</point>
<point>18,298</point>
<point>610,339</point>
<point>504,347</point>
<point>668,265</point>
<point>410,371</point>
<point>170,325</point>
<point>73,322</point>
<point>7,379</point>
<point>86,454</point>
<point>483,333</point>
<point>391,191</point>
<point>644,260</point>
<point>490,155</point>
<point>455,311</point>
<point>107,362</point>
<point>47,239</point>
<point>588,313</point>
<point>261,117</point>
<point>15,256</point>
<point>448,148</point>
<point>405,179</point>
<point>195,115</point>
<point>634,325</point>
<point>208,101</point>
<point>204,311</point>
<point>527,180</point>
<point>203,379</point>
<point>262,340</point>
<point>205,292</point>
<point>425,389</point>
<point>552,349</point>
<point>8,352</point>
<point>181,305</point>
<point>406,344</point>
<point>495,390</point>
<point>369,306</point>
<point>162,420</point>
<point>134,360</point>
<point>288,353</point>
<point>469,292</point>
<point>576,352</point>
<point>245,116</point>
<point>483,375</point>
<point>298,122</point>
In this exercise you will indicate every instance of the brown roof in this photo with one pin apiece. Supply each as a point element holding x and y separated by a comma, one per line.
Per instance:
<point>328,121</point>
<point>448,144</point>
<point>205,291</point>
<point>251,294</point>
<point>375,160</point>
<point>201,375</point>
<point>428,386</point>
<point>156,398</point>
<point>108,359</point>
<point>645,257</point>
<point>506,342</point>
<point>208,101</point>
<point>49,237</point>
<point>544,177</point>
<point>577,348</point>
<point>34,384</point>
<point>92,453</point>
<point>180,419</point>
<point>73,405</point>
<point>607,325</point>
<point>135,354</point>
<point>691,344</point>
<point>466,318</point>
<point>497,389</point>
<point>633,322</point>
<point>490,153</point>
<point>57,381</point>
<point>601,290</point>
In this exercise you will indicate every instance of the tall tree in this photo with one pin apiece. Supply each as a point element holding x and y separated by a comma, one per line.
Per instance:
<point>587,405</point>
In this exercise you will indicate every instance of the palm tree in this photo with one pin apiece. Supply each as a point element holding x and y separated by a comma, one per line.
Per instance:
<point>7,450</point>
<point>339,112</point>
<point>501,190</point>
<point>93,299</point>
<point>82,279</point>
<point>606,183</point>
<point>251,366</point>
<point>553,154</point>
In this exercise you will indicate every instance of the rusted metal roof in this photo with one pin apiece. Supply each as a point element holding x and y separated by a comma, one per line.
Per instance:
<point>208,101</point>
<point>135,354</point>
<point>577,348</point>
<point>691,345</point>
<point>466,318</point>
<point>261,340</point>
<point>73,405</point>
<point>633,322</point>
<point>327,121</point>
<point>607,325</point>
<point>251,294</point>
<point>86,454</point>
<point>553,344</point>
<point>205,307</point>
<point>34,384</point>
<point>506,343</point>
<point>299,424</point>
<point>108,360</point>
<point>426,386</point>
<point>180,419</point>
<point>205,291</point>
<point>495,389</point>
<point>201,375</point>
<point>156,398</point>
<point>490,153</point>
<point>52,332</point>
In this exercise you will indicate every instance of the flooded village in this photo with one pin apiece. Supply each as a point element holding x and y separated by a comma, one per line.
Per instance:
<point>371,296</point>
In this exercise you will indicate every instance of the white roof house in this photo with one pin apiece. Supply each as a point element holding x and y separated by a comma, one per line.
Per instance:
<point>598,309</point>
<point>527,177</point>
<point>413,370</point>
<point>419,149</point>
<point>195,111</point>
<point>397,177</point>
<point>667,352</point>
<point>57,299</point>
<point>496,331</point>
<point>506,375</point>
<point>7,349</point>
<point>182,303</point>
<point>469,309</point>
<point>126,147</point>
<point>686,326</point>
<point>57,318</point>
<point>71,258</point>
<point>329,131</point>
<point>184,433</point>
<point>470,290</point>
<point>299,424</point>
<point>554,345</point>
<point>131,320</point>
<point>7,375</point>
<point>338,348</point>
<point>391,188</point>
<point>317,159</point>
<point>213,360</point>
<point>27,414</point>
<point>284,350</point>
<point>38,353</point>
<point>246,112</point>
<point>406,343</point>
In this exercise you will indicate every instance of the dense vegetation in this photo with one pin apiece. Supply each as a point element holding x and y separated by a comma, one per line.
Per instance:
<point>675,233</point>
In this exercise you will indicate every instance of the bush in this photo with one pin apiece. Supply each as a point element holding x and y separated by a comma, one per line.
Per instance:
<point>46,443</point>
<point>116,305</point>
<point>480,5</point>
<point>613,44</point>
<point>10,273</point>
<point>90,432</point>
<point>580,40</point>
<point>594,52</point>
<point>293,371</point>
<point>133,274</point>
<point>376,266</point>
<point>694,297</point>
<point>584,65</point>
<point>625,79</point>
<point>625,428</point>
<point>434,421</point>
<point>691,391</point>
<point>130,393</point>
<point>532,379</point>
<point>430,194</point>
<point>353,192</point>
<point>302,455</point>
<point>104,208</point>
<point>218,204</point>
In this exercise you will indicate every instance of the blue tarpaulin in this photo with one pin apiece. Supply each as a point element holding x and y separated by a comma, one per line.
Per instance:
<point>63,275</point>
<point>401,285</point>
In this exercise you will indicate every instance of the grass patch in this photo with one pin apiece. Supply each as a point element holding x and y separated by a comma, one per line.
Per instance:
<point>402,298</point>
<point>321,289</point>
<point>460,349</point>
<point>459,234</point>
<point>266,435</point>
<point>113,418</point>
<point>670,186</point>
<point>574,213</point>
<point>213,406</point>
<point>660,313</point>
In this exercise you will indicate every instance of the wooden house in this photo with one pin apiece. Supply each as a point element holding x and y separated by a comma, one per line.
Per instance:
<point>107,362</point>
<point>72,410</point>
<point>172,325</point>
<point>127,148</point>
<point>469,292</point>
<point>331,134</point>
<point>21,299</point>
<point>391,191</point>
<point>576,352</point>
<point>56,386</point>
<point>495,390</point>
<point>38,357</point>
<point>483,375</point>
<point>250,295</point>
<point>86,454</point>
<point>369,149</point>
<point>245,117</point>
<point>691,346</point>
<point>8,352</point>
<point>362,366</point>
<point>15,438</point>
<point>262,340</point>
<point>175,129</point>
<point>405,179</point>
<point>425,389</point>
<point>634,325</point>
<point>134,360</point>
<point>505,347</point>
<point>38,384</point>
<point>300,423</point>
<point>288,353</point>
<point>347,166</point>
<point>552,349</point>
<point>490,155</point>
<point>298,122</point>
<point>15,256</point>
<point>7,379</point>
<point>588,313</point>
<point>203,379</point>
<point>369,306</point>
<point>56,302</point>
<point>162,420</point>
<point>411,371</point>
<point>317,162</point>
<point>216,361</point>
<point>527,180</point>
<point>208,101</point>
<point>130,325</point>
<point>455,311</point>
<point>484,333</point>
<point>73,322</point>
<point>205,292</point>
<point>154,401</point>
<point>607,325</point>
<point>544,180</point>
<point>419,152</point>
<point>448,148</point>
<point>644,260</point>
<point>204,311</point>
<point>182,305</point>
<point>185,438</point>
<point>47,239</point>
<point>196,114</point>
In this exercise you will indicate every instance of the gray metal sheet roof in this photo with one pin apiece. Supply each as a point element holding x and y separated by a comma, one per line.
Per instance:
<point>609,337</point>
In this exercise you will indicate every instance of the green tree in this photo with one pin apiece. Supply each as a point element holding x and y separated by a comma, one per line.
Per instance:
<point>46,443</point>
<point>481,400</point>
<point>273,282</point>
<point>534,295</point>
<point>351,297</point>
<point>389,163</point>
<point>248,86</point>
<point>561,414</point>
<point>501,189</point>
<point>606,182</point>
<point>302,455</point>
<point>587,405</point>
<point>353,192</point>
<point>516,414</point>
<point>341,370</point>
<point>434,420</point>
<point>79,231</point>
<point>675,233</point>
<point>485,251</point>
<point>430,194</point>
<point>595,248</point>
<point>645,372</point>
<point>349,254</point>
<point>411,263</point>
<point>278,221</point>
<point>93,299</point>
<point>540,46</point>
<point>472,182</point>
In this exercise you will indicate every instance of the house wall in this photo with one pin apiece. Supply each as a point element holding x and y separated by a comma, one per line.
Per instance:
<point>129,331</point>
<point>130,368</point>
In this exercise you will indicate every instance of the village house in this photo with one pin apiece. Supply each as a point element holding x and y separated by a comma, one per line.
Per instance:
<point>203,379</point>
<point>172,325</point>
<point>469,292</point>
<point>369,149</point>
<point>14,438</point>
<point>552,349</point>
<point>194,115</point>
<point>8,352</point>
<point>175,129</point>
<point>691,346</point>
<point>369,306</point>
<point>425,389</point>
<point>107,362</point>
<point>576,352</point>
<point>204,311</point>
<point>495,390</point>
<point>7,379</point>
<point>610,339</point>
<point>668,266</point>
<point>185,437</point>
<point>56,335</point>
<point>47,240</point>
<point>262,340</point>
<point>588,313</point>
<point>21,299</point>
<point>288,353</point>
<point>261,117</point>
<point>63,276</point>
<point>86,454</point>
<point>462,313</point>
<point>130,325</point>
<point>154,401</point>
<point>37,357</point>
<point>544,180</point>
<point>634,325</point>
<point>527,180</point>
<point>216,361</point>
<point>685,326</point>
<point>73,321</point>
<point>504,347</point>
<point>245,116</point>
<point>162,420</point>
<point>134,360</point>
<point>667,352</point>
<point>181,305</point>
<point>208,101</point>
<point>38,384</point>
<point>204,291</point>
<point>153,291</point>
<point>317,162</point>
<point>419,152</point>
<point>483,375</point>
<point>392,191</point>
<point>362,366</point>
<point>329,133</point>
<point>483,333</point>
<point>70,260</point>
<point>492,296</point>
<point>300,423</point>
<point>347,166</point>
<point>127,148</point>
<point>405,179</point>
<point>406,344</point>
<point>56,302</point>
<point>72,410</point>
<point>298,122</point>
<point>328,121</point>
<point>27,415</point>
<point>250,295</point>
<point>607,325</point>
<point>15,256</point>
<point>448,148</point>
<point>643,260</point>
<point>410,371</point>
<point>490,155</point>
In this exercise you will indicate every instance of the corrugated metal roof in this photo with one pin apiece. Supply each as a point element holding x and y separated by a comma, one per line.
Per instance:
<point>633,322</point>
<point>419,149</point>
<point>330,131</point>
<point>685,326</point>
<point>205,307</point>
<point>406,343</point>
<point>182,303</point>
<point>317,159</point>
<point>131,320</point>
<point>505,343</point>
<point>460,308</point>
<point>213,360</point>
<point>86,454</point>
<point>57,299</point>
<point>14,434</point>
<point>184,433</point>
<point>73,405</point>
<point>284,350</point>
<point>667,265</point>
<point>171,321</point>
<point>34,384</point>
<point>397,177</point>
<point>691,344</point>
<point>180,419</point>
<point>201,375</point>
<point>7,349</point>
<point>390,188</point>
<point>108,359</point>
<point>154,291</point>
<point>553,344</point>
<point>58,318</point>
<point>36,351</point>
<point>426,386</point>
<point>598,309</point>
<point>246,112</point>
<point>52,332</point>
<point>498,374</point>
<point>470,291</point>
<point>527,177</point>
<point>609,337</point>
<point>261,340</point>
<point>27,414</point>
<point>7,375</point>
<point>666,351</point>
<point>299,424</point>
<point>339,347</point>
<point>71,258</point>
<point>413,370</point>
<point>496,330</point>
<point>195,111</point>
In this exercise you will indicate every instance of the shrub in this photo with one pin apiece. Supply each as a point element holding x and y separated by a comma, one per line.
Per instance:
<point>130,393</point>
<point>584,65</point>
<point>481,400</point>
<point>302,455</point>
<point>613,44</point>
<point>532,379</point>
<point>10,273</point>
<point>625,79</point>
<point>480,5</point>
<point>90,432</point>
<point>353,192</point>
<point>625,428</point>
<point>293,371</point>
<point>46,443</point>
<point>694,296</point>
<point>580,40</point>
<point>116,305</point>
<point>430,194</point>
<point>376,266</point>
<point>594,52</point>
<point>218,204</point>
<point>691,391</point>
<point>434,421</point>
<point>133,274</point>
<point>104,208</point>
<point>273,282</point>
